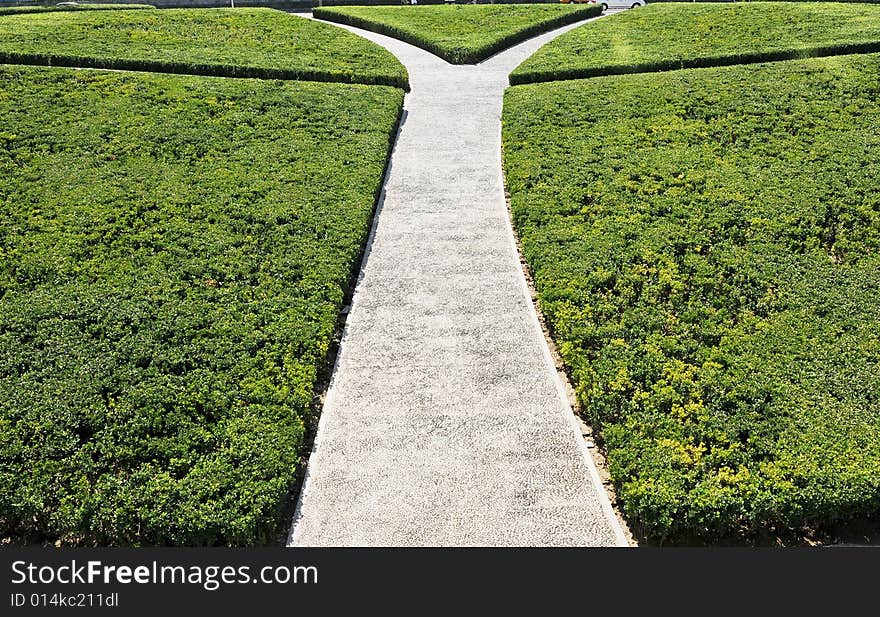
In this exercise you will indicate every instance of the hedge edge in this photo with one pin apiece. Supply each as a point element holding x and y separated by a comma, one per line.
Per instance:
<point>459,56</point>
<point>532,77</point>
<point>286,510</point>
<point>204,70</point>
<point>34,9</point>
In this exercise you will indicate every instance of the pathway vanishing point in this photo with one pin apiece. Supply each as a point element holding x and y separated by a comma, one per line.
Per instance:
<point>446,423</point>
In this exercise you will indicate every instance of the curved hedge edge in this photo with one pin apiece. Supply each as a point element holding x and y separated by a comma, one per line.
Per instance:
<point>459,56</point>
<point>202,70</point>
<point>532,77</point>
<point>583,13</point>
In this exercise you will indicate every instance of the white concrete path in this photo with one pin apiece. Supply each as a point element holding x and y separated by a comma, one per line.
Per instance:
<point>446,423</point>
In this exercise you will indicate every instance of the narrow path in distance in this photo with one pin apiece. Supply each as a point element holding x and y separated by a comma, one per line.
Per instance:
<point>446,423</point>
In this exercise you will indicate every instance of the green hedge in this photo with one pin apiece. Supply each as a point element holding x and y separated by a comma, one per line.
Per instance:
<point>174,253</point>
<point>257,42</point>
<point>460,34</point>
<point>324,3</point>
<point>706,249</point>
<point>423,2</point>
<point>17,10</point>
<point>675,36</point>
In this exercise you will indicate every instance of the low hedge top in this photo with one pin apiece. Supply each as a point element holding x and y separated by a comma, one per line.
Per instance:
<point>460,34</point>
<point>15,10</point>
<point>232,43</point>
<point>671,36</point>
<point>705,251</point>
<point>174,253</point>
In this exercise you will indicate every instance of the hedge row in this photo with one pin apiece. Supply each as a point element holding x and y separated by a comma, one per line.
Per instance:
<point>460,34</point>
<point>206,70</point>
<point>321,3</point>
<point>17,10</point>
<point>706,248</point>
<point>675,36</point>
<point>258,42</point>
<point>174,252</point>
<point>538,76</point>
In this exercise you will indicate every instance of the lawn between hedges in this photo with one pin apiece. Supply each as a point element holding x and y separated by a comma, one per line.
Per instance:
<point>706,250</point>
<point>224,42</point>
<point>174,252</point>
<point>460,34</point>
<point>662,37</point>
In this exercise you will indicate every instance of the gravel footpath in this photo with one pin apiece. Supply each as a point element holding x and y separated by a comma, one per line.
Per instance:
<point>446,423</point>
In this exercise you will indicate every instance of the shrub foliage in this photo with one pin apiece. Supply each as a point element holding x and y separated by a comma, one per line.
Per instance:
<point>15,10</point>
<point>705,247</point>
<point>460,34</point>
<point>230,43</point>
<point>663,37</point>
<point>174,252</point>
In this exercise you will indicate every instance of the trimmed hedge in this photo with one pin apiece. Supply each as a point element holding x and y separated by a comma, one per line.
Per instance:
<point>675,36</point>
<point>369,3</point>
<point>706,249</point>
<point>17,10</point>
<point>261,43</point>
<point>424,2</point>
<point>460,34</point>
<point>174,252</point>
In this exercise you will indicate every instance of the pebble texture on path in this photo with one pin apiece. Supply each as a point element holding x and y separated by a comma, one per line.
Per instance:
<point>445,423</point>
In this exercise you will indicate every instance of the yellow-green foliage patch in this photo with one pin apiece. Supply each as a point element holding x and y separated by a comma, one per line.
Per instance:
<point>174,252</point>
<point>706,248</point>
